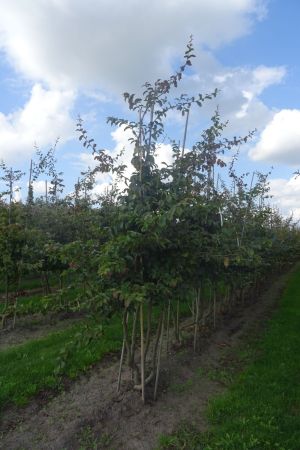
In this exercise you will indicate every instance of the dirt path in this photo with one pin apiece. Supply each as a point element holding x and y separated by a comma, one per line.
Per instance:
<point>90,415</point>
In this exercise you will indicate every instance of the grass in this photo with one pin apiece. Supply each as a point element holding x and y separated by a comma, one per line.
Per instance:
<point>27,305</point>
<point>88,440</point>
<point>261,409</point>
<point>29,282</point>
<point>180,388</point>
<point>224,375</point>
<point>37,303</point>
<point>27,369</point>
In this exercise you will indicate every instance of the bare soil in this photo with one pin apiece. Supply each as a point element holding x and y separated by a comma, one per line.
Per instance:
<point>89,414</point>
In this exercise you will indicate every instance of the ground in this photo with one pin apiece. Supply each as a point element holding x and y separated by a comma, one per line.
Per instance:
<point>89,414</point>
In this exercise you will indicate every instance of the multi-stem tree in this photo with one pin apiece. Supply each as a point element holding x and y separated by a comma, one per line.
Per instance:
<point>165,235</point>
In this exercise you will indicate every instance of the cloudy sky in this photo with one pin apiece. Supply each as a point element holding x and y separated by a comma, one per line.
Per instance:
<point>61,58</point>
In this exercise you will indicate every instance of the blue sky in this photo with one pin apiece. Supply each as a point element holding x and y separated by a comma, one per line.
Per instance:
<point>274,41</point>
<point>62,58</point>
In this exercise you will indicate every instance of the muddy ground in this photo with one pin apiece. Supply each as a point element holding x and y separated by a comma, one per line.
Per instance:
<point>89,414</point>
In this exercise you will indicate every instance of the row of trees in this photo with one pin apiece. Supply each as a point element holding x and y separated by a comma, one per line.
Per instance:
<point>192,232</point>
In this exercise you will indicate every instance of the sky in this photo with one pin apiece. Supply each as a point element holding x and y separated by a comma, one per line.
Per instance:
<point>64,58</point>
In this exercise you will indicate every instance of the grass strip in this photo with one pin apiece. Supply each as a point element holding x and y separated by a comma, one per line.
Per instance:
<point>27,369</point>
<point>261,409</point>
<point>28,282</point>
<point>37,303</point>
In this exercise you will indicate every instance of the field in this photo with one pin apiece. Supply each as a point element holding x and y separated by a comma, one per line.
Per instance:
<point>259,377</point>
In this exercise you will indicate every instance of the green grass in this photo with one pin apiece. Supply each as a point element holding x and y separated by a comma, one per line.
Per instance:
<point>37,303</point>
<point>26,284</point>
<point>29,368</point>
<point>261,409</point>
<point>26,305</point>
<point>29,282</point>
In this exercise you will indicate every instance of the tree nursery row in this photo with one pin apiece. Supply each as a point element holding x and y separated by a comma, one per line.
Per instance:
<point>189,240</point>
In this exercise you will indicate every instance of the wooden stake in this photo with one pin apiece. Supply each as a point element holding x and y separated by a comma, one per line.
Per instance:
<point>142,353</point>
<point>214,307</point>
<point>15,313</point>
<point>185,132</point>
<point>121,364</point>
<point>197,318</point>
<point>159,357</point>
<point>168,324</point>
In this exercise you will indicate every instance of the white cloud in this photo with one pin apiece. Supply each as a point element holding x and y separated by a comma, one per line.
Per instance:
<point>39,188</point>
<point>85,160</point>
<point>264,77</point>
<point>163,154</point>
<point>44,118</point>
<point>286,195</point>
<point>114,45</point>
<point>101,189</point>
<point>240,88</point>
<point>259,79</point>
<point>99,49</point>
<point>17,194</point>
<point>280,140</point>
